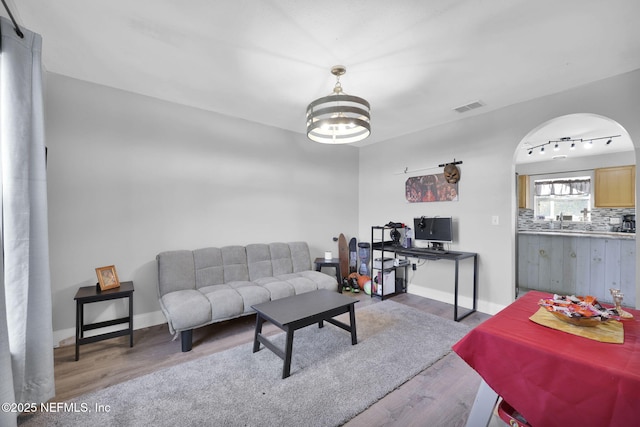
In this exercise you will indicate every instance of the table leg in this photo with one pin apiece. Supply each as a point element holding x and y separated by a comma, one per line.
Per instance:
<point>286,370</point>
<point>78,328</point>
<point>131,320</point>
<point>475,282</point>
<point>352,320</point>
<point>455,294</point>
<point>483,405</point>
<point>258,331</point>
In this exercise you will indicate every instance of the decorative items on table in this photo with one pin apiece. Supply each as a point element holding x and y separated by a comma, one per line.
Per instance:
<point>618,296</point>
<point>579,311</point>
<point>107,277</point>
<point>581,316</point>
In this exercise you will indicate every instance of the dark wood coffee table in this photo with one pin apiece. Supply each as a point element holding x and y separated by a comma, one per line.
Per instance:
<point>299,311</point>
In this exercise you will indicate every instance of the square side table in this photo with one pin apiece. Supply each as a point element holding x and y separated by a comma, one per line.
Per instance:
<point>89,294</point>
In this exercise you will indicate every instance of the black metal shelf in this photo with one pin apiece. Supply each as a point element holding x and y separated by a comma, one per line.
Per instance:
<point>380,245</point>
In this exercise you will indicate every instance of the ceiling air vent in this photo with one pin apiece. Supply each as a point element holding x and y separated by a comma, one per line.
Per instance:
<point>469,106</point>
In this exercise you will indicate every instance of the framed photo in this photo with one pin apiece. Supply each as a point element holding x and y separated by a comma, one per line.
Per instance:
<point>430,188</point>
<point>107,277</point>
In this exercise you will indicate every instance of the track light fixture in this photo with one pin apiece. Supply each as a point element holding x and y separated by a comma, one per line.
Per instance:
<point>587,143</point>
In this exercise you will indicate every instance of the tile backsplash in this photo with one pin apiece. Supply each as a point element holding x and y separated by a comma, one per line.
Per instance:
<point>599,220</point>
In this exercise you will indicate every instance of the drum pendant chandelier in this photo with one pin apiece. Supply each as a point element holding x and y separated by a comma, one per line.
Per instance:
<point>338,118</point>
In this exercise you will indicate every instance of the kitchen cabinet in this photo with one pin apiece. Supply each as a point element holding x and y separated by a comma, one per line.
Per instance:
<point>524,195</point>
<point>615,187</point>
<point>579,264</point>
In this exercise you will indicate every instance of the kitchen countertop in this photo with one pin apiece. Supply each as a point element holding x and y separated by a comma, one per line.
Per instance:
<point>581,233</point>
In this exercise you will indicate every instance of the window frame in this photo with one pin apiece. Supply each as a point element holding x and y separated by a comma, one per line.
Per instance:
<point>560,176</point>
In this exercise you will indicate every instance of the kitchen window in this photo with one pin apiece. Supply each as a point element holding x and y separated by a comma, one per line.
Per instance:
<point>569,197</point>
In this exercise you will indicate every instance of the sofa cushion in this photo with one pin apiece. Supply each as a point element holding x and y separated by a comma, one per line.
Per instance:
<point>300,256</point>
<point>208,266</point>
<point>186,309</point>
<point>322,280</point>
<point>300,284</point>
<point>234,260</point>
<point>226,302</point>
<point>277,288</point>
<point>251,294</point>
<point>259,261</point>
<point>175,271</point>
<point>280,258</point>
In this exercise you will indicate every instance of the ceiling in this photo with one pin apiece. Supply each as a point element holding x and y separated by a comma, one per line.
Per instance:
<point>265,60</point>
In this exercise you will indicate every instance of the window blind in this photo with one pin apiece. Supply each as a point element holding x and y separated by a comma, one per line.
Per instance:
<point>563,187</point>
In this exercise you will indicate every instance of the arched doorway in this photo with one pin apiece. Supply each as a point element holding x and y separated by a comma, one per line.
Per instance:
<point>580,253</point>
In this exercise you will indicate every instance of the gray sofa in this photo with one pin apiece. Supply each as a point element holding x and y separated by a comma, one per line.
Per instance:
<point>204,286</point>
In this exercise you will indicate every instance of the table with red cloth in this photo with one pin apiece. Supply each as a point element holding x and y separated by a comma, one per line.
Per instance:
<point>554,378</point>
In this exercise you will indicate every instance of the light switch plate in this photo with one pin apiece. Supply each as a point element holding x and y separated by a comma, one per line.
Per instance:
<point>495,220</point>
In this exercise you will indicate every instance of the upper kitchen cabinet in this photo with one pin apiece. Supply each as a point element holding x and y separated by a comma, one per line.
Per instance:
<point>523,192</point>
<point>615,187</point>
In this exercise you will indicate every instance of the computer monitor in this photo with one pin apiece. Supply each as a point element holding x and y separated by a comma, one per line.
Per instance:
<point>436,230</point>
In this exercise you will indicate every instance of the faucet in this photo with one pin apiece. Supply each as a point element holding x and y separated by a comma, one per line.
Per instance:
<point>561,220</point>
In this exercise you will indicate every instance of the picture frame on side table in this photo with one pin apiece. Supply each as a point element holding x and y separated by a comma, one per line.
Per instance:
<point>107,277</point>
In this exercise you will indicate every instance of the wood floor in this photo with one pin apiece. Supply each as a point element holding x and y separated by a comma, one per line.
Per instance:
<point>441,395</point>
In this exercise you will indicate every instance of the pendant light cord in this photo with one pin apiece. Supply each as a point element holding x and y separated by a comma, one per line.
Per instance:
<point>15,24</point>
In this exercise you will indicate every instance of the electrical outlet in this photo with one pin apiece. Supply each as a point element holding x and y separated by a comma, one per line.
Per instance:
<point>413,267</point>
<point>495,220</point>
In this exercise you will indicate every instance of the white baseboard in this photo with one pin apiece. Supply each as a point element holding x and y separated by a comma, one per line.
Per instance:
<point>68,336</point>
<point>463,301</point>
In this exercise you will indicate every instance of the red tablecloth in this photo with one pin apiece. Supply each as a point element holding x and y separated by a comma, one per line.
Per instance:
<point>553,378</point>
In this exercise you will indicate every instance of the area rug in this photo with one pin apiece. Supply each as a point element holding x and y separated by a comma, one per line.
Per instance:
<point>331,381</point>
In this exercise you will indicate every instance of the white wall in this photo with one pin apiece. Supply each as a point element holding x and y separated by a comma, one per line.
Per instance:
<point>486,144</point>
<point>131,176</point>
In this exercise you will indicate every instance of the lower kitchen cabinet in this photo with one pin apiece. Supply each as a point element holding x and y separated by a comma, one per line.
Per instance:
<point>577,264</point>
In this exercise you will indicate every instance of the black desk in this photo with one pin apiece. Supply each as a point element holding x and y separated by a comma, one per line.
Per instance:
<point>89,294</point>
<point>450,256</point>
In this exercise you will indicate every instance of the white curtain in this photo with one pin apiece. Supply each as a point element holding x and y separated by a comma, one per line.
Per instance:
<point>26,333</point>
<point>563,187</point>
